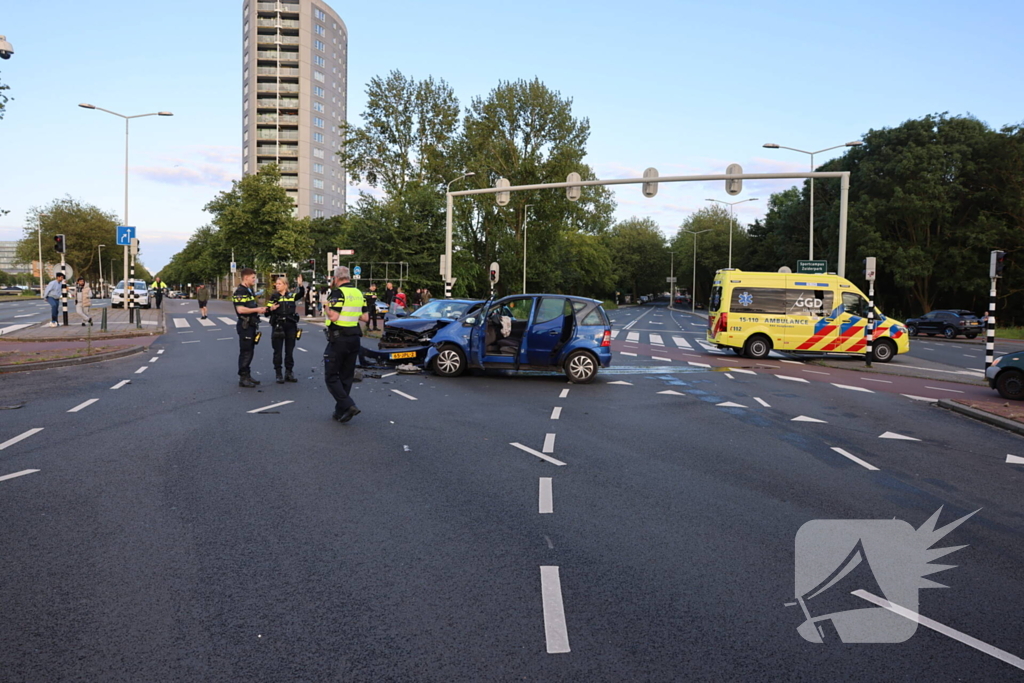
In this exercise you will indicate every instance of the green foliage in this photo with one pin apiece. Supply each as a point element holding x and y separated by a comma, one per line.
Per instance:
<point>641,259</point>
<point>713,225</point>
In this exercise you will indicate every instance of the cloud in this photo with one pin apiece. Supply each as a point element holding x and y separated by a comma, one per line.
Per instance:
<point>203,166</point>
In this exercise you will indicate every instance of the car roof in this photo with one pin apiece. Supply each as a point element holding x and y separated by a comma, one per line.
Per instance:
<point>563,296</point>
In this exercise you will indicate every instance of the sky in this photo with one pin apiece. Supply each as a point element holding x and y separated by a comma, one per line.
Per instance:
<point>686,87</point>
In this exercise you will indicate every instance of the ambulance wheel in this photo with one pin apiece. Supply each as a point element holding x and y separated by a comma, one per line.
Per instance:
<point>450,362</point>
<point>580,367</point>
<point>949,332</point>
<point>757,347</point>
<point>883,350</point>
<point>912,330</point>
<point>738,352</point>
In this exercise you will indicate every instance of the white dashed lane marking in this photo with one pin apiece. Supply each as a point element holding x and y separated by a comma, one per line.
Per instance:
<point>17,474</point>
<point>852,388</point>
<point>545,499</point>
<point>549,443</point>
<point>555,631</point>
<point>404,395</point>
<point>564,394</point>
<point>804,418</point>
<point>556,412</point>
<point>542,456</point>
<point>854,458</point>
<point>121,384</point>
<point>955,391</point>
<point>141,370</point>
<point>83,405</point>
<point>793,379</point>
<point>272,405</point>
<point>762,402</point>
<point>20,437</point>
<point>1014,460</point>
<point>194,341</point>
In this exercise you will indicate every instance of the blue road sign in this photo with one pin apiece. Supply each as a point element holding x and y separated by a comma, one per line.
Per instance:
<point>357,270</point>
<point>125,235</point>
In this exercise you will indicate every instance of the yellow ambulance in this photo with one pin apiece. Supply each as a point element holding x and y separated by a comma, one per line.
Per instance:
<point>753,313</point>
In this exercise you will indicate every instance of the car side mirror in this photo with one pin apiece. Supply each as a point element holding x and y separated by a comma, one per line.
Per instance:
<point>401,314</point>
<point>469,322</point>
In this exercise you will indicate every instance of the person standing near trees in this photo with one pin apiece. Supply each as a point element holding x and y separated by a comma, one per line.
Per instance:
<point>346,308</point>
<point>203,296</point>
<point>83,301</point>
<point>371,306</point>
<point>388,297</point>
<point>284,325</point>
<point>159,289</point>
<point>249,312</point>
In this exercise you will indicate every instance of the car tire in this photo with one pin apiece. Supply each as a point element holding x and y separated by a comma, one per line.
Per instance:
<point>580,367</point>
<point>757,347</point>
<point>1010,384</point>
<point>738,352</point>
<point>883,351</point>
<point>971,335</point>
<point>949,332</point>
<point>912,330</point>
<point>450,361</point>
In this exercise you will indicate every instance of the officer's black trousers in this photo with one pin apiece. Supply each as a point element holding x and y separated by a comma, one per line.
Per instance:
<point>246,347</point>
<point>373,317</point>
<point>340,368</point>
<point>287,344</point>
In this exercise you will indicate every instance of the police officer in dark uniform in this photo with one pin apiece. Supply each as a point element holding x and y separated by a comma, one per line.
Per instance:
<point>248,311</point>
<point>371,307</point>
<point>284,325</point>
<point>346,308</point>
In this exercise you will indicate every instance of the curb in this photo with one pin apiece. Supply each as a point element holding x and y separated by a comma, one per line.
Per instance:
<point>982,416</point>
<point>65,362</point>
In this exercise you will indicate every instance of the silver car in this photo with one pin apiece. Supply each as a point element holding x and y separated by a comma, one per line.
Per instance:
<point>117,297</point>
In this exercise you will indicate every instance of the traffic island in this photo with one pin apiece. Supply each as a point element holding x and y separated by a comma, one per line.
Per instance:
<point>1007,416</point>
<point>24,356</point>
<point>150,323</point>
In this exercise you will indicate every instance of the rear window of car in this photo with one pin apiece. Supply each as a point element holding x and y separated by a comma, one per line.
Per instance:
<point>594,318</point>
<point>716,299</point>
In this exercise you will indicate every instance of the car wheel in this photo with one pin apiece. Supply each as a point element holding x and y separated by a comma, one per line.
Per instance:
<point>883,350</point>
<point>949,332</point>
<point>971,335</point>
<point>450,362</point>
<point>1010,384</point>
<point>738,352</point>
<point>912,330</point>
<point>757,347</point>
<point>580,367</point>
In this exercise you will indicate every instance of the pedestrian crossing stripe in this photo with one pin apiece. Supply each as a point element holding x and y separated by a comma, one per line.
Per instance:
<point>207,323</point>
<point>181,323</point>
<point>226,321</point>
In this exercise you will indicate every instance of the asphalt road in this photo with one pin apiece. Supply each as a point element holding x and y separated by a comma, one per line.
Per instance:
<point>169,533</point>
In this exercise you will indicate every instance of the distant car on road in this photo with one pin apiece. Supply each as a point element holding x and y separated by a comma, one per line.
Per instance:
<point>1006,375</point>
<point>118,296</point>
<point>569,334</point>
<point>947,323</point>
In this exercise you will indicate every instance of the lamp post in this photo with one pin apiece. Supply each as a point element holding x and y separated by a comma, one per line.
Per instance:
<point>39,235</point>
<point>693,292</point>
<point>448,234</point>
<point>99,248</point>
<point>526,215</point>
<point>772,145</point>
<point>731,219</point>
<point>127,119</point>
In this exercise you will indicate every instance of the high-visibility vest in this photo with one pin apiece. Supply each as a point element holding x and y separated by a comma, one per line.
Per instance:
<point>349,307</point>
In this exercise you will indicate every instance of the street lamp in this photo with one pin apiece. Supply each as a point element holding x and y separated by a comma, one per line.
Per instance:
<point>693,292</point>
<point>525,216</point>
<point>99,248</point>
<point>731,220</point>
<point>448,234</point>
<point>127,119</point>
<point>772,145</point>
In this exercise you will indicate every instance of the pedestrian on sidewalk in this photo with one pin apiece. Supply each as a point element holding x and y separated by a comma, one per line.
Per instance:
<point>345,310</point>
<point>203,296</point>
<point>249,312</point>
<point>158,288</point>
<point>284,325</point>
<point>83,301</point>
<point>52,296</point>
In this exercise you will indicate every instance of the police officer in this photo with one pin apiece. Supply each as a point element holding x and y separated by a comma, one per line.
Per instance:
<point>371,307</point>
<point>249,312</point>
<point>345,308</point>
<point>284,325</point>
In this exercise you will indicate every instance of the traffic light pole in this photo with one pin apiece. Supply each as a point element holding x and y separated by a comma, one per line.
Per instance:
<point>64,290</point>
<point>990,327</point>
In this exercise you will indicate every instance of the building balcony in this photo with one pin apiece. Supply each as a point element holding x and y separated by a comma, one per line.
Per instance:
<point>288,87</point>
<point>289,181</point>
<point>288,150</point>
<point>284,167</point>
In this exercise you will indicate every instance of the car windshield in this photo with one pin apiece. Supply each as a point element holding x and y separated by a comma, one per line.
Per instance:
<point>138,285</point>
<point>440,308</point>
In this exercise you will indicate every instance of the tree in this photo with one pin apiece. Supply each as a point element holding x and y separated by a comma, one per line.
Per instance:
<point>255,218</point>
<point>640,257</point>
<point>84,226</point>
<point>712,247</point>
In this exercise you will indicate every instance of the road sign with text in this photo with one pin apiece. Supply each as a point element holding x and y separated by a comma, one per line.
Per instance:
<point>812,267</point>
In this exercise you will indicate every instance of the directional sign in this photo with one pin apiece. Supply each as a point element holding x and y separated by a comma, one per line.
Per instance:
<point>670,280</point>
<point>357,271</point>
<point>812,267</point>
<point>346,252</point>
<point>125,234</point>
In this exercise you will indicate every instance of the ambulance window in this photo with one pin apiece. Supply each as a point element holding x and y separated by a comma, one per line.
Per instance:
<point>813,302</point>
<point>759,300</point>
<point>716,299</point>
<point>854,304</point>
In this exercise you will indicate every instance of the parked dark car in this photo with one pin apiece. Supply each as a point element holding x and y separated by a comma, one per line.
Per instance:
<point>1006,375</point>
<point>406,339</point>
<point>569,334</point>
<point>947,323</point>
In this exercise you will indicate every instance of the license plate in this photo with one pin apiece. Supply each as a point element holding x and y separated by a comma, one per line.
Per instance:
<point>404,354</point>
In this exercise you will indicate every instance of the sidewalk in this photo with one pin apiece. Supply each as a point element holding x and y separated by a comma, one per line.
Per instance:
<point>152,323</point>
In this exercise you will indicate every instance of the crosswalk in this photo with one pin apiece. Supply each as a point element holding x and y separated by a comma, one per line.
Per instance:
<point>186,323</point>
<point>678,341</point>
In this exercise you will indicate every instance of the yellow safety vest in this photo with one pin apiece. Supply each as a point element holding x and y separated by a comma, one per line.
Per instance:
<point>349,307</point>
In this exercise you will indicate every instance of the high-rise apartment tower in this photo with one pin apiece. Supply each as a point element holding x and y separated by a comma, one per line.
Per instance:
<point>294,85</point>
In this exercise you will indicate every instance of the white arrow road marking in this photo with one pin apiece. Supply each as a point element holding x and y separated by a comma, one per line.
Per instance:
<point>1014,460</point>
<point>920,398</point>
<point>555,631</point>
<point>852,388</point>
<point>628,384</point>
<point>17,474</point>
<point>564,394</point>
<point>404,395</point>
<point>20,437</point>
<point>545,499</point>
<point>793,379</point>
<point>854,458</point>
<point>181,322</point>
<point>804,418</point>
<point>549,443</point>
<point>121,384</point>
<point>669,392</point>
<point>981,646</point>
<point>83,405</point>
<point>955,391</point>
<point>762,402</point>
<point>894,435</point>
<point>729,404</point>
<point>556,412</point>
<point>542,456</point>
<point>272,405</point>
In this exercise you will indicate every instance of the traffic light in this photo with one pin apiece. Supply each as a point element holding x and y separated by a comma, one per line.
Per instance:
<point>997,264</point>
<point>58,244</point>
<point>312,264</point>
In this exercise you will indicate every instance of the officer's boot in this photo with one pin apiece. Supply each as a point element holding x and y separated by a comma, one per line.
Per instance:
<point>289,377</point>
<point>247,382</point>
<point>280,379</point>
